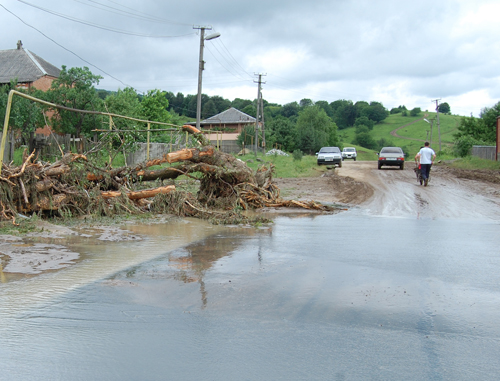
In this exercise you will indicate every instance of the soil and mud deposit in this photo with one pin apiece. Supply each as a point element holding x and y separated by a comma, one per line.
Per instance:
<point>452,193</point>
<point>49,248</point>
<point>342,185</point>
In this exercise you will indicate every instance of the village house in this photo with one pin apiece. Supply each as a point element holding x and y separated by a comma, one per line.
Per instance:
<point>223,129</point>
<point>30,71</point>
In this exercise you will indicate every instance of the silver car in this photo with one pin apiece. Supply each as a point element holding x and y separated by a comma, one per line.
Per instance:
<point>330,155</point>
<point>391,156</point>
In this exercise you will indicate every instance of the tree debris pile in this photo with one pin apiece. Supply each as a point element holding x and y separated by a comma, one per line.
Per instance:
<point>73,186</point>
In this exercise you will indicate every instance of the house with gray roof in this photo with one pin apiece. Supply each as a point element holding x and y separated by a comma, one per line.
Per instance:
<point>230,120</point>
<point>223,129</point>
<point>29,69</point>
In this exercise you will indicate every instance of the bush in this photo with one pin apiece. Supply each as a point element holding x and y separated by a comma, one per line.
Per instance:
<point>463,145</point>
<point>297,155</point>
<point>383,142</point>
<point>415,112</point>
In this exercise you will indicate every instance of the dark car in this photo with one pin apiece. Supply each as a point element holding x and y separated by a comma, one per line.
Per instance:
<point>330,155</point>
<point>391,156</point>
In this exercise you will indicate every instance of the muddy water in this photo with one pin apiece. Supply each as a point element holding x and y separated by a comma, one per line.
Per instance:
<point>97,252</point>
<point>346,296</point>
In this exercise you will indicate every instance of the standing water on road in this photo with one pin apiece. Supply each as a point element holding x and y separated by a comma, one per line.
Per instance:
<point>345,296</point>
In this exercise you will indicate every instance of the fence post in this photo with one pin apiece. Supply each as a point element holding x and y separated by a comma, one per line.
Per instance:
<point>497,150</point>
<point>111,141</point>
<point>5,128</point>
<point>147,139</point>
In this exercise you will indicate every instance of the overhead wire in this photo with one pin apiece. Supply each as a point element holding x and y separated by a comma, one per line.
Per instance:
<point>227,56</point>
<point>228,70</point>
<point>68,50</point>
<point>234,66</point>
<point>135,14</point>
<point>236,62</point>
<point>231,65</point>
<point>97,25</point>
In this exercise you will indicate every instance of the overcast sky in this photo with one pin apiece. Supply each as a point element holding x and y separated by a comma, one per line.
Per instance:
<point>391,51</point>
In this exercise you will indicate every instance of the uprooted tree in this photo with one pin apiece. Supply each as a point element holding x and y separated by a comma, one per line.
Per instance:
<point>75,186</point>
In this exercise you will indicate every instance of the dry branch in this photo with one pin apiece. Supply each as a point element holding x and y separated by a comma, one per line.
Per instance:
<point>75,184</point>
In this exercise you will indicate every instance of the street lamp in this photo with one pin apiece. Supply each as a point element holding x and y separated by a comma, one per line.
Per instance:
<point>201,67</point>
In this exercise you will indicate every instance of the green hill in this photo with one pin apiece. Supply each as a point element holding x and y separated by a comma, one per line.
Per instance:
<point>409,132</point>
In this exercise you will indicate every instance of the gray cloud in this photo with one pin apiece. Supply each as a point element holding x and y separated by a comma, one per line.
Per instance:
<point>402,52</point>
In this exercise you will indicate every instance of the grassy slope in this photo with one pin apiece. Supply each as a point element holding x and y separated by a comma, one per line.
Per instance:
<point>420,130</point>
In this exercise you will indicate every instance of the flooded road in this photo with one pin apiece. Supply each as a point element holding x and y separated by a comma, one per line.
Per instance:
<point>350,296</point>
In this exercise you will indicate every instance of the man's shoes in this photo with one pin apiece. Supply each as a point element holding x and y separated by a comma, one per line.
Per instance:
<point>426,181</point>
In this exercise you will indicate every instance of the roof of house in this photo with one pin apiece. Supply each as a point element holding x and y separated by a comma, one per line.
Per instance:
<point>24,65</point>
<point>230,116</point>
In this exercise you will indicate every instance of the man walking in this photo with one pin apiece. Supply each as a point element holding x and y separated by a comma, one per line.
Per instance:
<point>426,157</point>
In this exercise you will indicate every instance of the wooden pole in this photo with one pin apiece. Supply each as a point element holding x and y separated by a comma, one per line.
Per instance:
<point>149,128</point>
<point>111,143</point>
<point>5,128</point>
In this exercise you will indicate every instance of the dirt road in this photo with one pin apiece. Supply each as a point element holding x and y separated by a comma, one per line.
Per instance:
<point>394,192</point>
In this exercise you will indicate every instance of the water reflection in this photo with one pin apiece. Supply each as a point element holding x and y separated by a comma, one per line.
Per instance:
<point>100,255</point>
<point>3,279</point>
<point>189,264</point>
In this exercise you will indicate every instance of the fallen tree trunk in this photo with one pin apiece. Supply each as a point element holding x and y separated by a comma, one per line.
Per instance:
<point>192,154</point>
<point>140,194</point>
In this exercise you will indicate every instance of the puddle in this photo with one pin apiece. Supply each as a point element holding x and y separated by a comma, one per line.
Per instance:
<point>37,267</point>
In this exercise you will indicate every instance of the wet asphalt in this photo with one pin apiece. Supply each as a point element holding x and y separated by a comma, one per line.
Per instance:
<point>349,296</point>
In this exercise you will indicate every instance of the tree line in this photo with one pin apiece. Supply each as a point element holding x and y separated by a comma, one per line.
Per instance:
<point>305,125</point>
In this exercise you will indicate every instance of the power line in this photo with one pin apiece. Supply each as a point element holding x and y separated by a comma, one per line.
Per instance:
<point>58,44</point>
<point>134,14</point>
<point>236,62</point>
<point>229,71</point>
<point>74,19</point>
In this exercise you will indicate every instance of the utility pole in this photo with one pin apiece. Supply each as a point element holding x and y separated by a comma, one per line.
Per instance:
<point>201,67</point>
<point>437,117</point>
<point>258,112</point>
<point>432,125</point>
<point>263,123</point>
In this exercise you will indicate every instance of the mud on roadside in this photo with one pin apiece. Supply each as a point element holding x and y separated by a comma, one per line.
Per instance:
<point>482,175</point>
<point>47,248</point>
<point>353,187</point>
<point>328,188</point>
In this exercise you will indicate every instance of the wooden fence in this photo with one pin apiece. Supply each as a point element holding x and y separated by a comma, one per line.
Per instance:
<point>53,144</point>
<point>10,146</point>
<point>484,152</point>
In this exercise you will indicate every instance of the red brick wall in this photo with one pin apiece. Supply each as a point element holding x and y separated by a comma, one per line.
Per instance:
<point>45,131</point>
<point>43,83</point>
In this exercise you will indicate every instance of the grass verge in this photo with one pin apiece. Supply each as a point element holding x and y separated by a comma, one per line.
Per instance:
<point>477,163</point>
<point>286,166</point>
